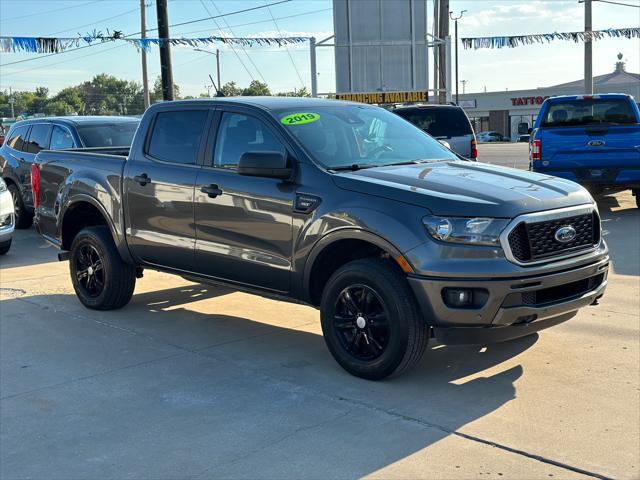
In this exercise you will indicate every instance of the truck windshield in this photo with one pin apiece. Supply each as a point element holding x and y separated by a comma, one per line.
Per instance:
<point>569,113</point>
<point>108,135</point>
<point>360,135</point>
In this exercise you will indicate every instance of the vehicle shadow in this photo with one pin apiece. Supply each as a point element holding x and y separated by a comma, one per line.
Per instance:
<point>28,248</point>
<point>621,231</point>
<point>294,401</point>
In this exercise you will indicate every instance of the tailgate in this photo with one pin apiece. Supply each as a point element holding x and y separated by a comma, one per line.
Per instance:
<point>602,146</point>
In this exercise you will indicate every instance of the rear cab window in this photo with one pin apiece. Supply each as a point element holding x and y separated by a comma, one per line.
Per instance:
<point>438,121</point>
<point>592,111</point>
<point>177,135</point>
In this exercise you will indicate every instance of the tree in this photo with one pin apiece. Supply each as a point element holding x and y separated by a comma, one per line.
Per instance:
<point>256,88</point>
<point>230,89</point>
<point>156,94</point>
<point>58,107</point>
<point>72,97</point>
<point>296,93</point>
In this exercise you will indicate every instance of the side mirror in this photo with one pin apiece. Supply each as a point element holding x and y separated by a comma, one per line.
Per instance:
<point>264,164</point>
<point>445,143</point>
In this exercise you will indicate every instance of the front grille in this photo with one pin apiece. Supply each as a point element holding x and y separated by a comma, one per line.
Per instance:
<point>536,241</point>
<point>561,293</point>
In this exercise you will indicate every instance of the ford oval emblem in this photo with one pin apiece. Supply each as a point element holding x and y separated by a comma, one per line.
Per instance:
<point>565,234</point>
<point>596,143</point>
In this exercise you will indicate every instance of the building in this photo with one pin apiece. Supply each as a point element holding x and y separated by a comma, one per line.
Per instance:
<point>513,112</point>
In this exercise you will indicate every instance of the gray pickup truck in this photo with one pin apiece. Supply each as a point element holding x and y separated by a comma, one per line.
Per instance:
<point>342,206</point>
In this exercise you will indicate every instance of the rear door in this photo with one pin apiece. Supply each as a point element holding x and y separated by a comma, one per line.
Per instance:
<point>159,188</point>
<point>590,134</point>
<point>244,224</point>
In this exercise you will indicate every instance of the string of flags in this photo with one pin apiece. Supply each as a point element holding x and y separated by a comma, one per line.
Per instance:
<point>60,44</point>
<point>519,40</point>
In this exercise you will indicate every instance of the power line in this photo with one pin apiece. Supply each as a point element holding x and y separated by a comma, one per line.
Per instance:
<point>48,11</point>
<point>241,46</point>
<point>236,12</point>
<point>285,46</point>
<point>92,23</point>
<point>262,21</point>
<point>232,47</point>
<point>618,3</point>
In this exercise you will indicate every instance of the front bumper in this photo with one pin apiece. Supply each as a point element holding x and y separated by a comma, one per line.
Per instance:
<point>513,307</point>
<point>7,220</point>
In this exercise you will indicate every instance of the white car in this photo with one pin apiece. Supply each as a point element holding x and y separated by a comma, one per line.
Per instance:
<point>6,218</point>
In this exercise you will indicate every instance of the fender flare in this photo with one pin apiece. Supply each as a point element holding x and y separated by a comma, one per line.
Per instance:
<point>346,233</point>
<point>84,198</point>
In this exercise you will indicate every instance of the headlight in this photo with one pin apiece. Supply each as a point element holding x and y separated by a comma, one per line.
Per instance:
<point>476,231</point>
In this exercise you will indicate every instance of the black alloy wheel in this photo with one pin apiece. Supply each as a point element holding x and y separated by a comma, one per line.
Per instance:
<point>89,270</point>
<point>361,322</point>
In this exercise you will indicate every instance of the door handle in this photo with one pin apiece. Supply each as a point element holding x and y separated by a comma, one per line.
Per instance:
<point>211,190</point>
<point>142,179</point>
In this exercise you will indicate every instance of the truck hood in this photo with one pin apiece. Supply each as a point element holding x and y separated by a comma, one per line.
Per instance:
<point>460,188</point>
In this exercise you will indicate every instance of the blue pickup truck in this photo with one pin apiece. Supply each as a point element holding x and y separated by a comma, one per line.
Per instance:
<point>591,139</point>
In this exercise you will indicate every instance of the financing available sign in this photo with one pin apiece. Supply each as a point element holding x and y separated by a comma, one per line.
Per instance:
<point>385,97</point>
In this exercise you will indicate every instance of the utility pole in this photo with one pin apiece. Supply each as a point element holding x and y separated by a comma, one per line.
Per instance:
<point>12,101</point>
<point>165,50</point>
<point>143,34</point>
<point>443,33</point>
<point>455,19</point>
<point>464,87</point>
<point>588,49</point>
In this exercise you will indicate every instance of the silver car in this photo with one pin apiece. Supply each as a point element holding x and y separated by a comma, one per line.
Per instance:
<point>6,218</point>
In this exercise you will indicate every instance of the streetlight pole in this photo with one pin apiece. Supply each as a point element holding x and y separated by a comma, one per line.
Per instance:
<point>217,54</point>
<point>464,86</point>
<point>455,19</point>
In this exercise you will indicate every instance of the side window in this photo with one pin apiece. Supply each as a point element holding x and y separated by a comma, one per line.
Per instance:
<point>176,136</point>
<point>17,138</point>
<point>240,134</point>
<point>60,138</point>
<point>38,138</point>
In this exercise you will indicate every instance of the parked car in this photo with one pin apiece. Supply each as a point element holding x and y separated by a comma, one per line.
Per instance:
<point>338,205</point>
<point>443,122</point>
<point>524,138</point>
<point>486,137</point>
<point>591,139</point>
<point>6,218</point>
<point>28,137</point>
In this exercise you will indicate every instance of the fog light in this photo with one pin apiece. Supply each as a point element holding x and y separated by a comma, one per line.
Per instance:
<point>458,297</point>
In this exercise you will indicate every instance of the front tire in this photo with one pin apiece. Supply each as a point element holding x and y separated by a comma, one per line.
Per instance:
<point>370,320</point>
<point>101,279</point>
<point>23,217</point>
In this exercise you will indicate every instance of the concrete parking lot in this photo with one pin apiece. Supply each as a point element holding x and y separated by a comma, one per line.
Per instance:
<point>193,381</point>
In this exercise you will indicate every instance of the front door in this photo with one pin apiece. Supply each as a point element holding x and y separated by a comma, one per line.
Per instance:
<point>159,189</point>
<point>243,224</point>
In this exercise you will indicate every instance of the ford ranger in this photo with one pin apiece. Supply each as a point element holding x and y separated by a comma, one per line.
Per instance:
<point>342,206</point>
<point>591,139</point>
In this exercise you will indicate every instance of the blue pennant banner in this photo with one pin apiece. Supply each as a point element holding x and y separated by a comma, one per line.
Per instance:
<point>520,40</point>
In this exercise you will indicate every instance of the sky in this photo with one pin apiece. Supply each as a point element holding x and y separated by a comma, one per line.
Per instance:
<point>285,69</point>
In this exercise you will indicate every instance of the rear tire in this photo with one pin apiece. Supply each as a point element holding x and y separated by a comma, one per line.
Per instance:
<point>101,279</point>
<point>370,320</point>
<point>23,217</point>
<point>4,247</point>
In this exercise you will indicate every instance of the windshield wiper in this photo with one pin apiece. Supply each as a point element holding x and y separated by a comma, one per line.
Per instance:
<point>353,167</point>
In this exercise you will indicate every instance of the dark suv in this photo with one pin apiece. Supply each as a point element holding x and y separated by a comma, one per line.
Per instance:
<point>444,122</point>
<point>343,206</point>
<point>28,137</point>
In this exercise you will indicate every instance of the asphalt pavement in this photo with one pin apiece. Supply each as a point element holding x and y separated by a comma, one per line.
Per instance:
<point>193,381</point>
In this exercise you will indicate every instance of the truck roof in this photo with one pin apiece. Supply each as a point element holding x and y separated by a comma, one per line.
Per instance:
<point>81,120</point>
<point>590,95</point>
<point>267,103</point>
